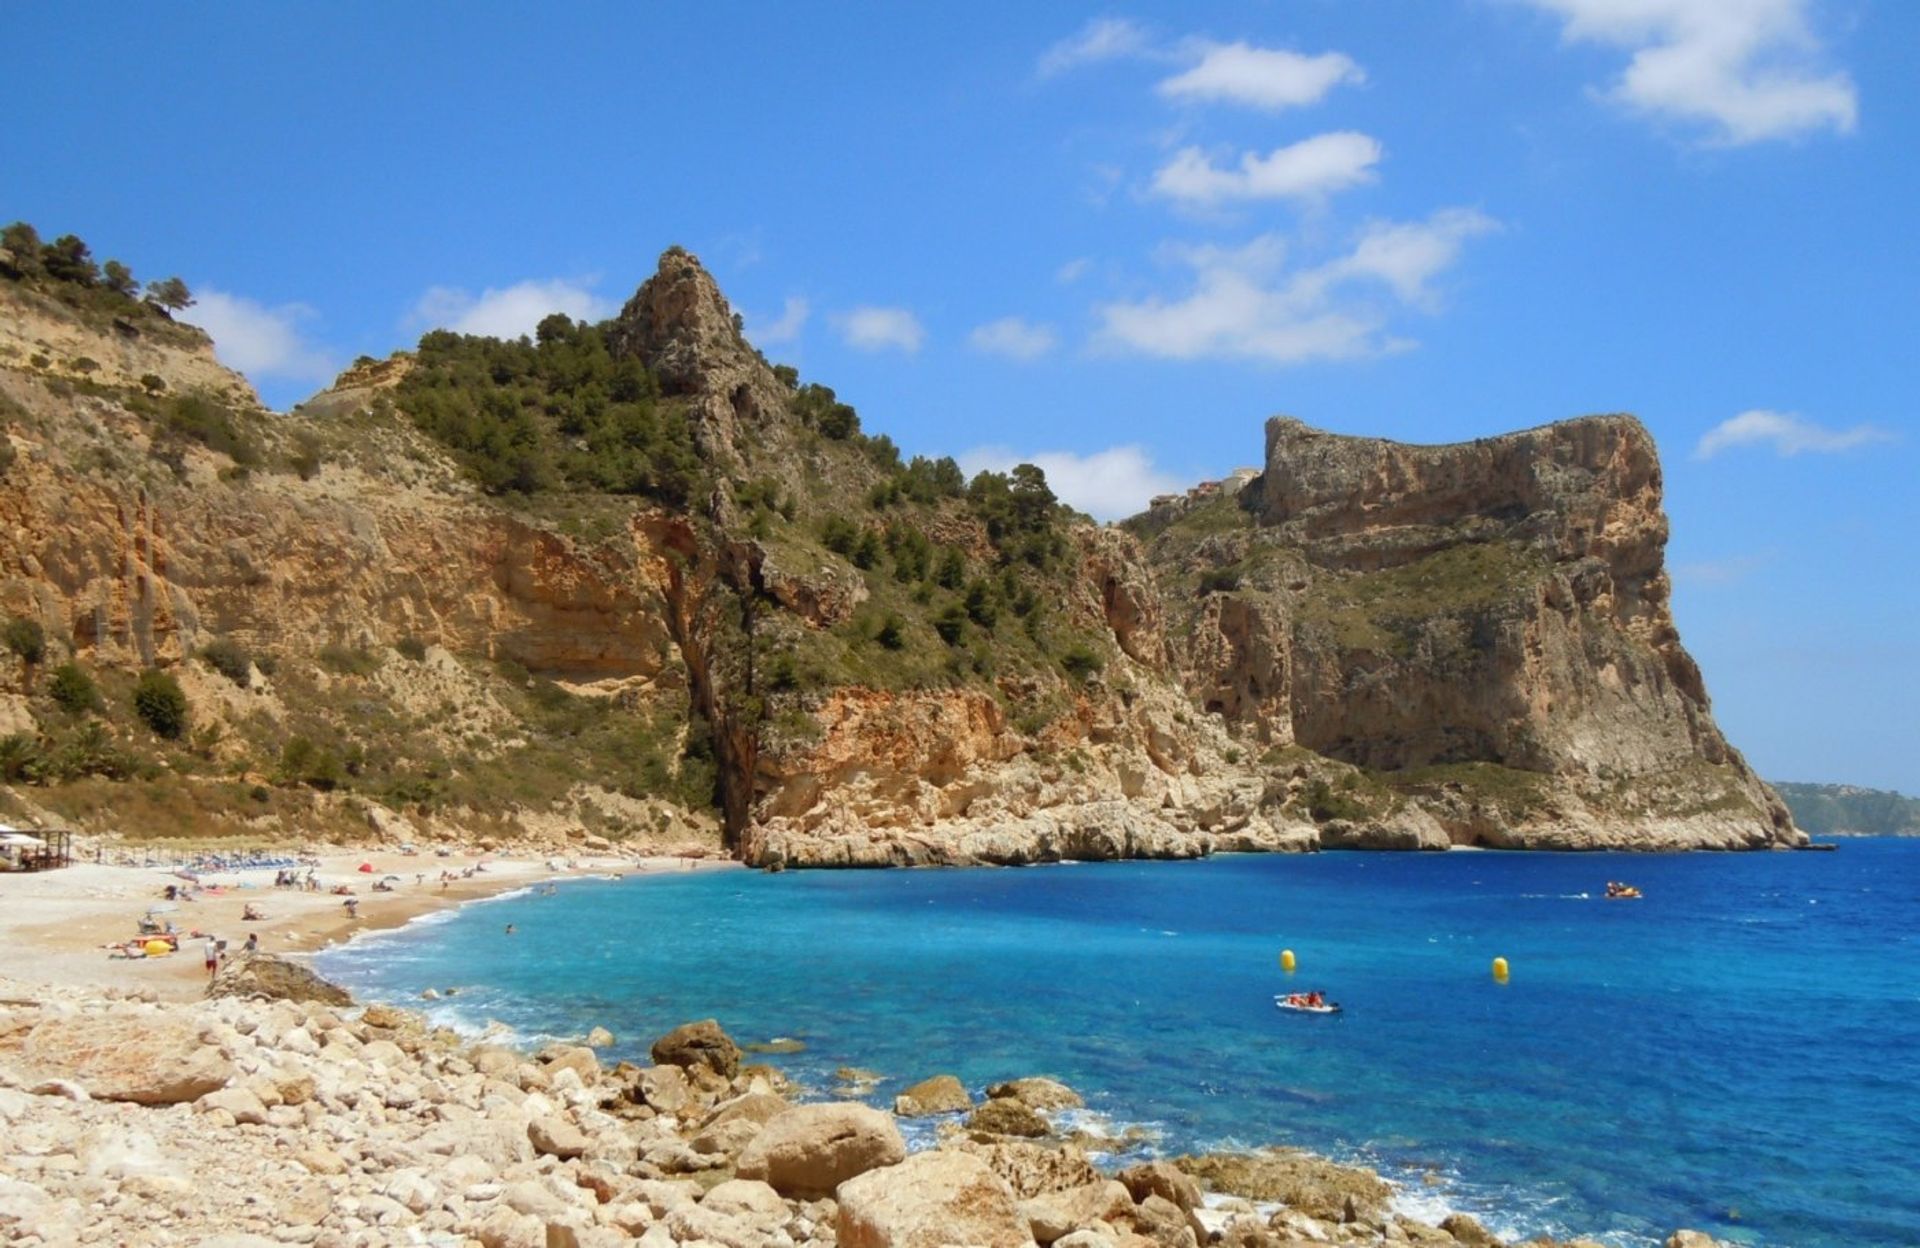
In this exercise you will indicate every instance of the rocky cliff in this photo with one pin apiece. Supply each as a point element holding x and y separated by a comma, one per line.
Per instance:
<point>631,581</point>
<point>1482,627</point>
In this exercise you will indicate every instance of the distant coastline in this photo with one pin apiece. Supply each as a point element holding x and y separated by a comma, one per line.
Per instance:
<point>1850,810</point>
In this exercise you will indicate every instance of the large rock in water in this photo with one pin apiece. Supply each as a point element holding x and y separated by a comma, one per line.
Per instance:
<point>932,1200</point>
<point>699,1044</point>
<point>146,1058</point>
<point>942,1094</point>
<point>812,1149</point>
<point>276,978</point>
<point>1039,1092</point>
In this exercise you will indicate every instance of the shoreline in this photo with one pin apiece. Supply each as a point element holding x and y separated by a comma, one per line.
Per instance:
<point>67,918</point>
<point>77,980</point>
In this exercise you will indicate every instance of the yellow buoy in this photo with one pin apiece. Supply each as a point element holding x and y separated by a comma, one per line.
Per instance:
<point>1286,960</point>
<point>158,948</point>
<point>1500,970</point>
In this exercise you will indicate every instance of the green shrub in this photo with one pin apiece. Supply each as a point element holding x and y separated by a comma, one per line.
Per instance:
<point>160,703</point>
<point>1081,663</point>
<point>20,758</point>
<point>411,648</point>
<point>1220,580</point>
<point>230,659</point>
<point>982,607</point>
<point>203,420</point>
<point>74,690</point>
<point>26,639</point>
<point>782,674</point>
<point>152,383</point>
<point>891,633</point>
<point>303,762</point>
<point>1325,802</point>
<point>951,624</point>
<point>307,456</point>
<point>839,535</point>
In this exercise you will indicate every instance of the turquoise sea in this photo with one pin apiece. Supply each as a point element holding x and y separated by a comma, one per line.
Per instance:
<point>1738,1052</point>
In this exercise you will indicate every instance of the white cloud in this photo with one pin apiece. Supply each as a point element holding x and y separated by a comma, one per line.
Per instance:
<point>787,327</point>
<point>871,328</point>
<point>510,311</point>
<point>1245,303</point>
<point>1265,78</point>
<point>1073,270</point>
<point>1786,432</point>
<point>260,341</point>
<point>1108,485</point>
<point>1015,338</point>
<point>1748,69</point>
<point>1102,39</point>
<point>1407,256</point>
<point>1305,170</point>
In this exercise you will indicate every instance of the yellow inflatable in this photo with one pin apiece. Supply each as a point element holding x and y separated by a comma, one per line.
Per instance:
<point>158,948</point>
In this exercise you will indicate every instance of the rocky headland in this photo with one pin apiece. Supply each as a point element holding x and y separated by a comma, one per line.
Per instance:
<point>275,1112</point>
<point>634,582</point>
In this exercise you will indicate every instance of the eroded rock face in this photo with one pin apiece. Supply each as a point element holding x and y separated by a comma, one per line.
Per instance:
<point>1499,603</point>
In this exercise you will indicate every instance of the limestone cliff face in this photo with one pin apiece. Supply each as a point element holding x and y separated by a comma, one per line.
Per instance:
<point>1423,612</point>
<point>1363,644</point>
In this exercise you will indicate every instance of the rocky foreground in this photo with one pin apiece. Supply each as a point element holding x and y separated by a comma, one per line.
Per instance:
<point>244,1120</point>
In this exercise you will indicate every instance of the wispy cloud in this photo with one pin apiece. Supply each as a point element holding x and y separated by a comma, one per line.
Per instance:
<point>1073,270</point>
<point>1265,78</point>
<point>262,342</point>
<point>1248,303</point>
<point>1309,169</point>
<point>508,311</point>
<point>870,328</point>
<point>1102,39</point>
<point>1715,572</point>
<point>1748,70</point>
<point>1014,337</point>
<point>1786,433</point>
<point>1107,485</point>
<point>783,328</point>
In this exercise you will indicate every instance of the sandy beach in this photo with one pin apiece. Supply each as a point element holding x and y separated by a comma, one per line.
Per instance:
<point>58,927</point>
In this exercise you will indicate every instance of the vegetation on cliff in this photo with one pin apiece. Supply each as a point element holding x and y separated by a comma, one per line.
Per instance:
<point>558,412</point>
<point>66,271</point>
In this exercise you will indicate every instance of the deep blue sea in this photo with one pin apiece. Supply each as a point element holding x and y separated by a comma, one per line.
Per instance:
<point>1738,1052</point>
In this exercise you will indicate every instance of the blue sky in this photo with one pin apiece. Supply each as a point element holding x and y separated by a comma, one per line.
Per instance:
<point>1115,239</point>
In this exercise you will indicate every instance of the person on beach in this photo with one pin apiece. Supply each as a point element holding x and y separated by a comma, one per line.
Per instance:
<point>213,957</point>
<point>253,944</point>
<point>353,908</point>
